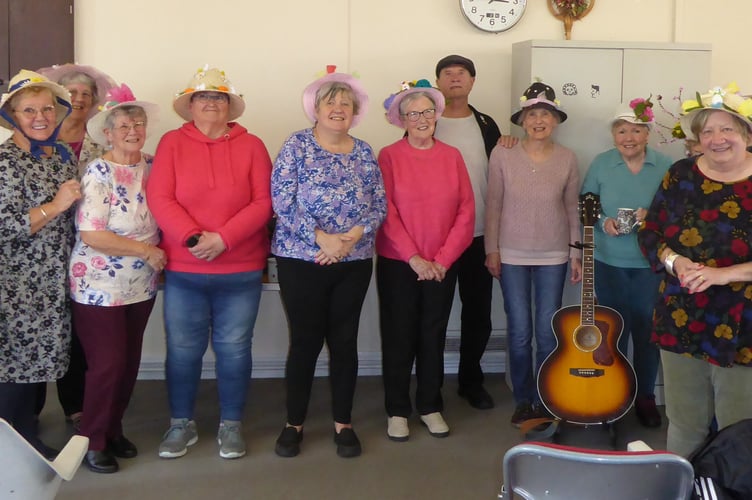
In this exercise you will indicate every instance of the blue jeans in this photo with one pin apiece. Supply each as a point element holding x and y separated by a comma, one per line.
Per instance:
<point>633,292</point>
<point>519,285</point>
<point>200,306</point>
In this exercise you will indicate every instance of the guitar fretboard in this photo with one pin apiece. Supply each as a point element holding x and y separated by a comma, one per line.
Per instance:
<point>587,309</point>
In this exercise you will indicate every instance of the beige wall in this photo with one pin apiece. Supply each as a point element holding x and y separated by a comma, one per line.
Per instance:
<point>271,50</point>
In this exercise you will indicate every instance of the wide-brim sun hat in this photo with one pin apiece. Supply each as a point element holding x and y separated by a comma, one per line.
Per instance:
<point>102,80</point>
<point>209,79</point>
<point>539,95</point>
<point>392,103</point>
<point>27,79</point>
<point>726,99</point>
<point>638,111</point>
<point>309,94</point>
<point>118,97</point>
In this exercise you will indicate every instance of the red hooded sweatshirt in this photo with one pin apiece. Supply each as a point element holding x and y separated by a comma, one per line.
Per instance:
<point>218,185</point>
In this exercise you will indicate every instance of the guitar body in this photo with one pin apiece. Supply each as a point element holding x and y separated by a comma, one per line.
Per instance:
<point>586,379</point>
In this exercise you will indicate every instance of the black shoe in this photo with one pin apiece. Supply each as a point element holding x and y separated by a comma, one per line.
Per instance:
<point>348,444</point>
<point>288,442</point>
<point>647,413</point>
<point>122,447</point>
<point>540,411</point>
<point>47,452</point>
<point>100,461</point>
<point>478,397</point>
<point>522,413</point>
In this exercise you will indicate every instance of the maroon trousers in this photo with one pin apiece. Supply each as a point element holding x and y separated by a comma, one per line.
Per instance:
<point>111,338</point>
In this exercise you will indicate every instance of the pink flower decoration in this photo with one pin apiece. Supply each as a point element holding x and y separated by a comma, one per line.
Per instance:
<point>120,94</point>
<point>78,270</point>
<point>98,263</point>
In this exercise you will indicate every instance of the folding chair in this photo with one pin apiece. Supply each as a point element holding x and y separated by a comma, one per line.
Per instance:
<point>27,475</point>
<point>538,471</point>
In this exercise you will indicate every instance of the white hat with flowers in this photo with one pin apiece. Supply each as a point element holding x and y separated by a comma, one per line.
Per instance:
<point>208,79</point>
<point>726,99</point>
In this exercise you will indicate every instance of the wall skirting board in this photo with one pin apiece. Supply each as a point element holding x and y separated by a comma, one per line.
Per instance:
<point>274,367</point>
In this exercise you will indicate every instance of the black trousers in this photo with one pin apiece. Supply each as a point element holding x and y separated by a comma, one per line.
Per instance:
<point>475,285</point>
<point>323,304</point>
<point>414,316</point>
<point>17,408</point>
<point>70,387</point>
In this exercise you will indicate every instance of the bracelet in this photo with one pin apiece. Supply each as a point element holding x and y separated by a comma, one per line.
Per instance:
<point>669,263</point>
<point>44,214</point>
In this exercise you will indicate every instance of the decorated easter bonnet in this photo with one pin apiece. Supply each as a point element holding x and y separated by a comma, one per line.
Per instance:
<point>26,79</point>
<point>392,103</point>
<point>539,95</point>
<point>309,94</point>
<point>724,99</point>
<point>639,111</point>
<point>208,80</point>
<point>61,98</point>
<point>117,97</point>
<point>102,81</point>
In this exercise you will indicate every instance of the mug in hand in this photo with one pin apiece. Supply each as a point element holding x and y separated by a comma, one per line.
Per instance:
<point>626,220</point>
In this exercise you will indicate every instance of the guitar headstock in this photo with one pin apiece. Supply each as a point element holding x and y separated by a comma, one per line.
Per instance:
<point>590,208</point>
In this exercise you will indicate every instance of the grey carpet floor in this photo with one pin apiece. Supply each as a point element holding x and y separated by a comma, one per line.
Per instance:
<point>465,465</point>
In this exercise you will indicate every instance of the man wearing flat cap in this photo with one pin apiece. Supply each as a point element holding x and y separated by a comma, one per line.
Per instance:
<point>475,134</point>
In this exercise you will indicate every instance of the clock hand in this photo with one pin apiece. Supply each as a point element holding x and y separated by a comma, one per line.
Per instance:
<point>492,1</point>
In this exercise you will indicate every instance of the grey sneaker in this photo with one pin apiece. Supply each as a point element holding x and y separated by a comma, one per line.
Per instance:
<point>181,434</point>
<point>230,439</point>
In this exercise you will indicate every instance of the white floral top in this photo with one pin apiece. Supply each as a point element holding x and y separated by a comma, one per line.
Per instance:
<point>113,200</point>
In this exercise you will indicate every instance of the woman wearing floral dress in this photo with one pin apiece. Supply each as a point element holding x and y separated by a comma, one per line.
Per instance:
<point>699,230</point>
<point>328,195</point>
<point>38,179</point>
<point>113,273</point>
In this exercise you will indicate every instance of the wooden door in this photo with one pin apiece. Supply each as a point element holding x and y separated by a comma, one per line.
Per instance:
<point>39,33</point>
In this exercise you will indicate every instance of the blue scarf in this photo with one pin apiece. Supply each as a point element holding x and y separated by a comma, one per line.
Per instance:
<point>36,146</point>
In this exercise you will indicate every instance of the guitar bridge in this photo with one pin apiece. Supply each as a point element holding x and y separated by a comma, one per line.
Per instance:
<point>586,372</point>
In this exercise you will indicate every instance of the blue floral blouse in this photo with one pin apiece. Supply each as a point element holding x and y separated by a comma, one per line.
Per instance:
<point>313,188</point>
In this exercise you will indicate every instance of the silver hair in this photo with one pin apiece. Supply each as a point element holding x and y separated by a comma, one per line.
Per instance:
<point>80,77</point>
<point>412,97</point>
<point>135,112</point>
<point>330,90</point>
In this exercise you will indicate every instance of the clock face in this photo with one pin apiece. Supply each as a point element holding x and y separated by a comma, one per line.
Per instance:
<point>493,15</point>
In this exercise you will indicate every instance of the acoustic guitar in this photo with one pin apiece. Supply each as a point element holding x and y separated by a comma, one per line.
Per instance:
<point>586,379</point>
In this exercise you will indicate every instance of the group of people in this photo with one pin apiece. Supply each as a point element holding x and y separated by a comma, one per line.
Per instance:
<point>91,222</point>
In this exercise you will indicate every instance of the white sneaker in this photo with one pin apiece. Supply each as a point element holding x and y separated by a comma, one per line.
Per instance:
<point>437,427</point>
<point>397,429</point>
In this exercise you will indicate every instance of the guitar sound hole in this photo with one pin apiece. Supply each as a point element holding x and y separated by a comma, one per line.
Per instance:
<point>587,338</point>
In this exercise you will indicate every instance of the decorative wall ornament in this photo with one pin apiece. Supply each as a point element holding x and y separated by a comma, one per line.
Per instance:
<point>569,11</point>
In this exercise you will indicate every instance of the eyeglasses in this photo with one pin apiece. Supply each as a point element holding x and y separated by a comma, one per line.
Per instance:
<point>32,113</point>
<point>126,129</point>
<point>414,116</point>
<point>210,96</point>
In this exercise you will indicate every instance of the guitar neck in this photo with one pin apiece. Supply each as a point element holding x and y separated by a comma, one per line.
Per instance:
<point>587,309</point>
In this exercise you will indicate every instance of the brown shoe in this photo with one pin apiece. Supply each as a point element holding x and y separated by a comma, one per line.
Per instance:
<point>646,411</point>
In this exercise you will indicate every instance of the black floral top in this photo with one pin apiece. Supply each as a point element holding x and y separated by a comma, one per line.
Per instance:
<point>709,222</point>
<point>34,303</point>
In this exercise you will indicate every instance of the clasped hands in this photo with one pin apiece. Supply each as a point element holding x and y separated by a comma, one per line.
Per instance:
<point>693,276</point>
<point>333,247</point>
<point>427,270</point>
<point>209,247</point>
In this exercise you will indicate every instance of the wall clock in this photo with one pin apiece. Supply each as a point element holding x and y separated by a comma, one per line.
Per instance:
<point>493,16</point>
